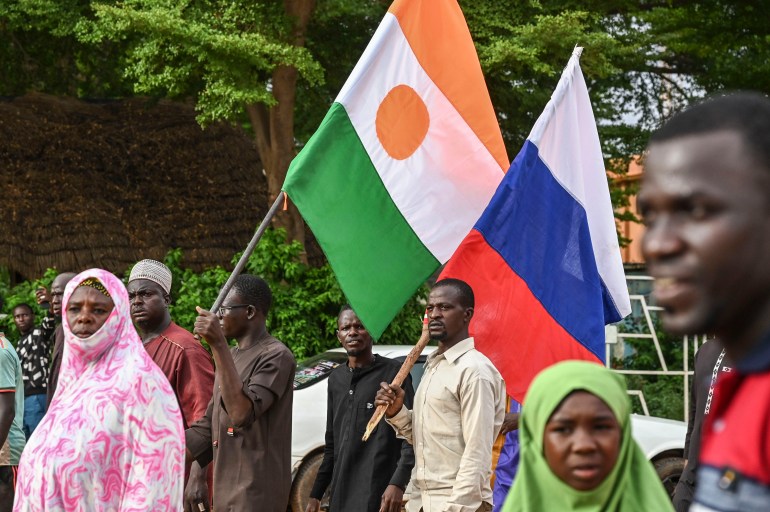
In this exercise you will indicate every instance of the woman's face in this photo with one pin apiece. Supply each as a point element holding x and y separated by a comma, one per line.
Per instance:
<point>87,310</point>
<point>582,441</point>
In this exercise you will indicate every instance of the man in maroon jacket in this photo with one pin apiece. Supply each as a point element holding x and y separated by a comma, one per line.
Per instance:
<point>183,360</point>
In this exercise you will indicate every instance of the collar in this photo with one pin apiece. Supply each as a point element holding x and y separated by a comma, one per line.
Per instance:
<point>758,358</point>
<point>165,333</point>
<point>454,353</point>
<point>357,373</point>
<point>363,369</point>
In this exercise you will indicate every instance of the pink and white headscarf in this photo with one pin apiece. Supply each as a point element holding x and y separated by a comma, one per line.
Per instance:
<point>112,439</point>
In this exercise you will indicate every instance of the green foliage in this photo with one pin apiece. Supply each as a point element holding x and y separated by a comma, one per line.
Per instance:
<point>223,52</point>
<point>641,60</point>
<point>192,289</point>
<point>40,51</point>
<point>664,394</point>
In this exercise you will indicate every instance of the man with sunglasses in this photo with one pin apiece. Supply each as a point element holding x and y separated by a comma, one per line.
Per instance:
<point>246,431</point>
<point>184,361</point>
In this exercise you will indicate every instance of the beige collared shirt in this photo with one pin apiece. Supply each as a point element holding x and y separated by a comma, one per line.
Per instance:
<point>458,410</point>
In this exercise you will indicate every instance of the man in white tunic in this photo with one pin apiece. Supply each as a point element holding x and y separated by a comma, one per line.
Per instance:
<point>458,410</point>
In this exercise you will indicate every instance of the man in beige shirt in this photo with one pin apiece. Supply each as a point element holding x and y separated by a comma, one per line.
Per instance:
<point>458,410</point>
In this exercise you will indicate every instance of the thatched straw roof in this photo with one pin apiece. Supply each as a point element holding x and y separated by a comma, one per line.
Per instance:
<point>106,184</point>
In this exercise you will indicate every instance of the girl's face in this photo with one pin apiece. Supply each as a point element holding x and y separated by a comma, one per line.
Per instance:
<point>582,441</point>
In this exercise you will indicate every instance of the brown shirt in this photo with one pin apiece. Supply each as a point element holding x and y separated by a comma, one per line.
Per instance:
<point>252,463</point>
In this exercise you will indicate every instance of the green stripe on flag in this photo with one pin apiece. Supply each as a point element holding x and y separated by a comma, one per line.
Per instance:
<point>377,258</point>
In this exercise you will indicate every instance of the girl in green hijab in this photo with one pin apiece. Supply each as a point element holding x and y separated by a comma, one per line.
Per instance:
<point>577,452</point>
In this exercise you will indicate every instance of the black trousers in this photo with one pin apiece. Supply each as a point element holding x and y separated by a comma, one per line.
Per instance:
<point>7,486</point>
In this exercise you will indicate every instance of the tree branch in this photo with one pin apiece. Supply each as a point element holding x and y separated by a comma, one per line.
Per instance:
<point>260,123</point>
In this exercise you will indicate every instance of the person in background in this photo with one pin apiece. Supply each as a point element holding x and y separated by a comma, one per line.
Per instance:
<point>181,358</point>
<point>54,298</point>
<point>367,476</point>
<point>710,363</point>
<point>11,413</point>
<point>112,438</point>
<point>577,451</point>
<point>508,460</point>
<point>34,349</point>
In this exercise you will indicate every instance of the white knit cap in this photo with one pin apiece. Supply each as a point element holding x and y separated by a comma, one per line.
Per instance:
<point>154,271</point>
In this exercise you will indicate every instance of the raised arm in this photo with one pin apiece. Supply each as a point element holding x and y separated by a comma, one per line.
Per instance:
<point>237,403</point>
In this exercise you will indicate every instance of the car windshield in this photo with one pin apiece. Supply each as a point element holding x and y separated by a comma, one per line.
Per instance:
<point>316,368</point>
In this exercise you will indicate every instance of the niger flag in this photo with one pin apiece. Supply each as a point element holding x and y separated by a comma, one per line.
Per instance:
<point>404,162</point>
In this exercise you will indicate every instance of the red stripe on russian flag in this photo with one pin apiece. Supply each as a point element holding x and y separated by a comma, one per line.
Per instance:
<point>510,313</point>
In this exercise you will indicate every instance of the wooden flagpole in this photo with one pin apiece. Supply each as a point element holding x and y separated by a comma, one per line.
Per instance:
<point>400,377</point>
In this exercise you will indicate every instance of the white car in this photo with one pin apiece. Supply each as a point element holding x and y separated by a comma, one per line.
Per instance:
<point>660,439</point>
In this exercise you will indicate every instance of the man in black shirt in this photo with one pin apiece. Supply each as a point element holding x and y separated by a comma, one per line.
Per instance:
<point>34,349</point>
<point>710,363</point>
<point>364,476</point>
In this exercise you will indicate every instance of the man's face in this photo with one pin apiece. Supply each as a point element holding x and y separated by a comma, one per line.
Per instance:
<point>353,336</point>
<point>448,319</point>
<point>705,204</point>
<point>235,315</point>
<point>581,442</point>
<point>149,303</point>
<point>24,319</point>
<point>57,292</point>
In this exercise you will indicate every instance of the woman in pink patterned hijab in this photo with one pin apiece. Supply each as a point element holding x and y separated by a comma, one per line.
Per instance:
<point>112,438</point>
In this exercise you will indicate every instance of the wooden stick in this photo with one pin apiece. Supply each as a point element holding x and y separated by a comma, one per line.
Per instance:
<point>400,377</point>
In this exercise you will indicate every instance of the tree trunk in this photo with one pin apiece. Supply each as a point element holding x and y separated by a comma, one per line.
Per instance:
<point>274,126</point>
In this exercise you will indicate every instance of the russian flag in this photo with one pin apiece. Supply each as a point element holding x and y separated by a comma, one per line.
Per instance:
<point>543,260</point>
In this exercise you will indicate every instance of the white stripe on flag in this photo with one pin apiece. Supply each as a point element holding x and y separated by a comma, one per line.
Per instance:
<point>573,154</point>
<point>443,187</point>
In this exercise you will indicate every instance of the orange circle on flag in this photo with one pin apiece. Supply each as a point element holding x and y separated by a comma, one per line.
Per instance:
<point>402,122</point>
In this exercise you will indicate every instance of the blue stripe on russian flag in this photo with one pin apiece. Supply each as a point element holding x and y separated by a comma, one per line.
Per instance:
<point>542,233</point>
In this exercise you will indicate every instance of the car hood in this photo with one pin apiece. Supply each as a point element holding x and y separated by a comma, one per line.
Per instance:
<point>658,435</point>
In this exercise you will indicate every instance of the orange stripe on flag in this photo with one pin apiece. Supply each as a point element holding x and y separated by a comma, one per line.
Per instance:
<point>441,41</point>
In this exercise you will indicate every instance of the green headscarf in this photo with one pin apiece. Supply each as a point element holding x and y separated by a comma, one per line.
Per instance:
<point>632,485</point>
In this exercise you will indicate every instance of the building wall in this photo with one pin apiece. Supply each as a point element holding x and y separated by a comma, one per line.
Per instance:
<point>632,253</point>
